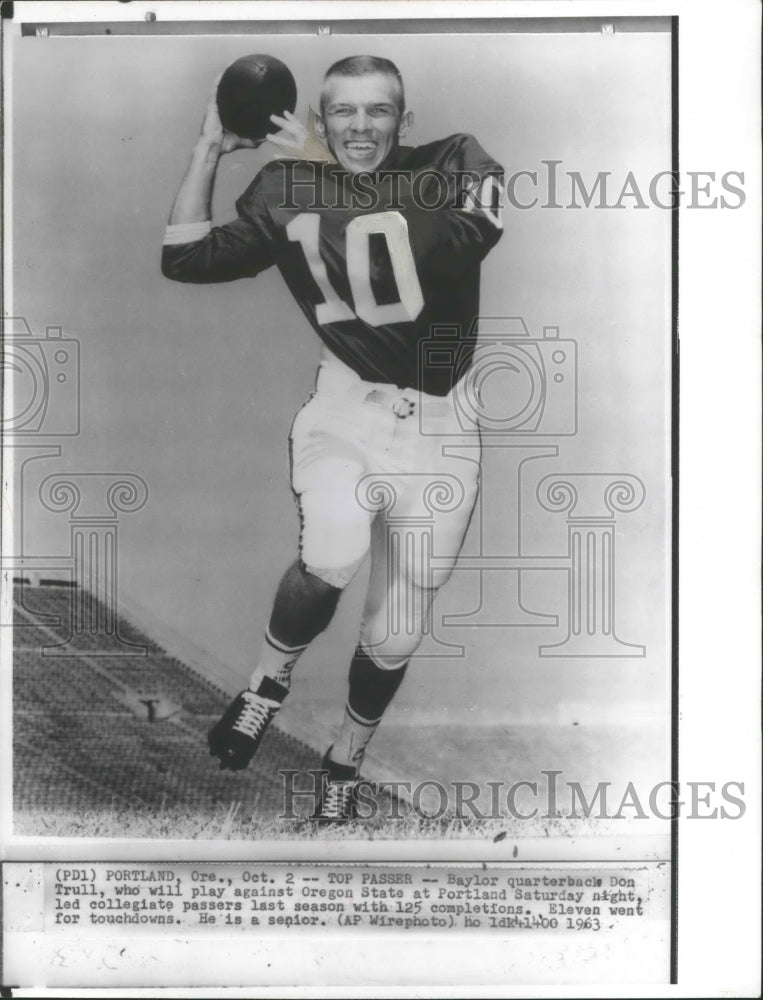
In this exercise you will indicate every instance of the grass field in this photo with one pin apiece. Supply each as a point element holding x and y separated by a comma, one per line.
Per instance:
<point>91,762</point>
<point>235,823</point>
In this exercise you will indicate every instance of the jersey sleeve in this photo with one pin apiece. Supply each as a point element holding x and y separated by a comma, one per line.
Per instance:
<point>201,253</point>
<point>447,239</point>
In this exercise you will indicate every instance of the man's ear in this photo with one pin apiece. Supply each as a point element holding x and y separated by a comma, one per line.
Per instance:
<point>320,128</point>
<point>406,120</point>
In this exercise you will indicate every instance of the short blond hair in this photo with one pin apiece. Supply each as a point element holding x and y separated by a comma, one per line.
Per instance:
<point>364,66</point>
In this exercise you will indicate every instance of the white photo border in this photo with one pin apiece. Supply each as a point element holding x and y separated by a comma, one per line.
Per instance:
<point>718,285</point>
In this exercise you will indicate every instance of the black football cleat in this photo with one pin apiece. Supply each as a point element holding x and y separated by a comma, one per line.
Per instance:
<point>337,797</point>
<point>235,738</point>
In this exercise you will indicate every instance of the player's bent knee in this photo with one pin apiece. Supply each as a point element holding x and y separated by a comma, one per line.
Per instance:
<point>387,661</point>
<point>425,578</point>
<point>390,648</point>
<point>338,577</point>
<point>314,581</point>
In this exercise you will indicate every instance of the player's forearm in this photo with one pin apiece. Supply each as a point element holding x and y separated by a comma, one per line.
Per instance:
<point>193,202</point>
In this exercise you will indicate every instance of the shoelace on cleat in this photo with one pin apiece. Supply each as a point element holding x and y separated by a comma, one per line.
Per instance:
<point>337,799</point>
<point>253,718</point>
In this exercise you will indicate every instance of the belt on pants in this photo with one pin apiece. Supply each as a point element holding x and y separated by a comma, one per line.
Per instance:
<point>407,402</point>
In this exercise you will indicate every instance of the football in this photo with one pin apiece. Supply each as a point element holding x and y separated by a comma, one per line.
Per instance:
<point>251,90</point>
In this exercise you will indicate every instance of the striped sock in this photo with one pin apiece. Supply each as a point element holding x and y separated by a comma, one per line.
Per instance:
<point>276,661</point>
<point>354,736</point>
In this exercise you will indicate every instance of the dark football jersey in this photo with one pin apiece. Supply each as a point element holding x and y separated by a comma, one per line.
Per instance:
<point>380,264</point>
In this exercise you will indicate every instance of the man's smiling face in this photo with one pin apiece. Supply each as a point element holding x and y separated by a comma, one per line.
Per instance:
<point>361,119</point>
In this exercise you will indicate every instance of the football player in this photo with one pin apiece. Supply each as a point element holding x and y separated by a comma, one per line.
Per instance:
<point>379,244</point>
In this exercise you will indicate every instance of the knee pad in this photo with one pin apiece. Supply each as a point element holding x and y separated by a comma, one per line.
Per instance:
<point>390,641</point>
<point>387,662</point>
<point>425,578</point>
<point>338,577</point>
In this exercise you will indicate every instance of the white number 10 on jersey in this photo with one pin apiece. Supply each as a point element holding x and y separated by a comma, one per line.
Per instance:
<point>305,229</point>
